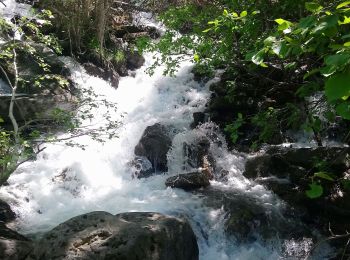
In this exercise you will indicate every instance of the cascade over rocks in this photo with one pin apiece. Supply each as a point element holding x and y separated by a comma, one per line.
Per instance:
<point>154,145</point>
<point>248,218</point>
<point>125,236</point>
<point>288,171</point>
<point>197,155</point>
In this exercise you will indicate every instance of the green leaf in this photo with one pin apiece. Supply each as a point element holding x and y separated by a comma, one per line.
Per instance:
<point>347,44</point>
<point>243,14</point>
<point>315,191</point>
<point>340,59</point>
<point>196,57</point>
<point>283,24</point>
<point>343,4</point>
<point>307,22</point>
<point>1,120</point>
<point>258,58</point>
<point>281,21</point>
<point>346,20</point>
<point>328,70</point>
<point>313,7</point>
<point>225,13</point>
<point>310,73</point>
<point>338,86</point>
<point>343,109</point>
<point>323,175</point>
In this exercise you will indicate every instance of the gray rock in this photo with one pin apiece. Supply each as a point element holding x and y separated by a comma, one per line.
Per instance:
<point>126,236</point>
<point>154,145</point>
<point>13,246</point>
<point>96,71</point>
<point>189,181</point>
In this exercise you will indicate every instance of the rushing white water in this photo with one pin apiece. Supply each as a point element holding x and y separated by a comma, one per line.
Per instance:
<point>67,181</point>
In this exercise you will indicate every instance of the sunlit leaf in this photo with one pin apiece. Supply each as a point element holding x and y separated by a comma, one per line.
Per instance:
<point>343,4</point>
<point>243,14</point>
<point>324,175</point>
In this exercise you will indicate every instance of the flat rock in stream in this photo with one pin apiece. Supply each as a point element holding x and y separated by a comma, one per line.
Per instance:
<point>189,181</point>
<point>126,236</point>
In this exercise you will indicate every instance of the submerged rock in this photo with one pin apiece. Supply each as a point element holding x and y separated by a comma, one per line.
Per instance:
<point>126,236</point>
<point>154,145</point>
<point>189,181</point>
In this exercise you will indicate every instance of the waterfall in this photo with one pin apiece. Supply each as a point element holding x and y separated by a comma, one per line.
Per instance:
<point>67,181</point>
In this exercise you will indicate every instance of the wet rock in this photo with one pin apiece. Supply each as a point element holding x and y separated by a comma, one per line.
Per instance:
<point>154,145</point>
<point>123,30</point>
<point>6,214</point>
<point>126,236</point>
<point>134,60</point>
<point>108,75</point>
<point>198,118</point>
<point>288,171</point>
<point>142,166</point>
<point>189,181</point>
<point>197,155</point>
<point>13,246</point>
<point>248,218</point>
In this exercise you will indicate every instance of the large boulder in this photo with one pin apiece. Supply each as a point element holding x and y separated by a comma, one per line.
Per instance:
<point>126,236</point>
<point>189,181</point>
<point>154,145</point>
<point>13,246</point>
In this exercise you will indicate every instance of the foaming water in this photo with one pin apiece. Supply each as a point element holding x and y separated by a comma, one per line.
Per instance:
<point>67,181</point>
